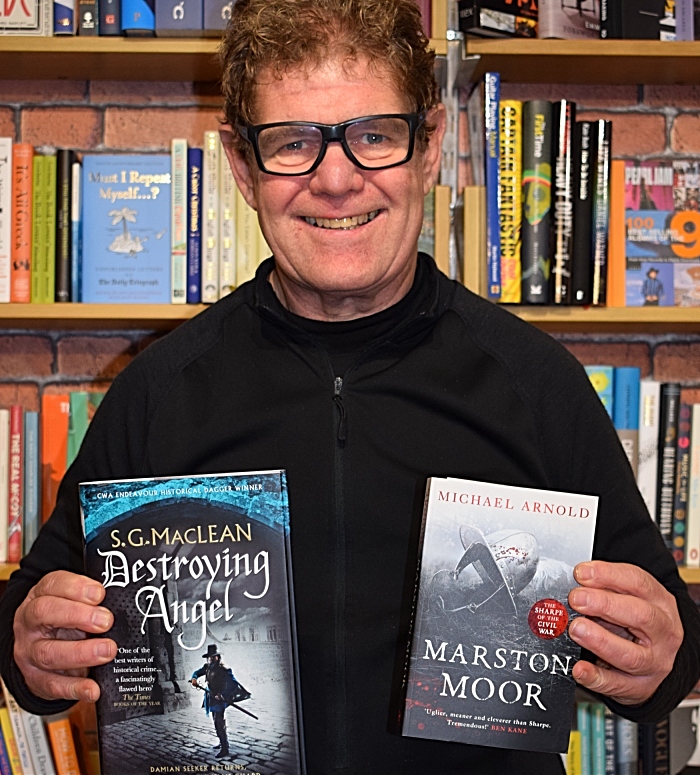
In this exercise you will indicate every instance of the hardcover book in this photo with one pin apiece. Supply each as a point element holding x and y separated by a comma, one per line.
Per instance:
<point>564,118</point>
<point>490,659</point>
<point>498,18</point>
<point>601,212</point>
<point>584,143</point>
<point>181,18</point>
<point>492,96</point>
<point>510,185</point>
<point>668,449</point>
<point>126,229</point>
<point>5,216</point>
<point>570,20</point>
<point>194,568</point>
<point>194,225</point>
<point>31,17</point>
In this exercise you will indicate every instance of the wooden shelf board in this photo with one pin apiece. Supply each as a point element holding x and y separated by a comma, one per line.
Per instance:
<point>587,61</point>
<point>690,575</point>
<point>610,319</point>
<point>6,570</point>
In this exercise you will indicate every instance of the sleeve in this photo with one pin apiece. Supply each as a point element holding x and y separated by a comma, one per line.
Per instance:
<point>200,671</point>
<point>113,449</point>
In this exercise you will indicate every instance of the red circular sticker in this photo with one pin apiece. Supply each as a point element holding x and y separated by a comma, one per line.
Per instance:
<point>548,618</point>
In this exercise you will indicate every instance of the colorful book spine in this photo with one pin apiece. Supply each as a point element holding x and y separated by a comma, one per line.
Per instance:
<point>5,217</point>
<point>601,212</point>
<point>668,446</point>
<point>537,201</point>
<point>178,219</point>
<point>680,499</point>
<point>64,17</point>
<point>227,228</point>
<point>4,481</point>
<point>63,746</point>
<point>38,226</point>
<point>564,118</point>
<point>210,218</point>
<point>5,766</point>
<point>598,738</point>
<point>692,524</point>
<point>22,171</point>
<point>16,509</point>
<point>83,406</point>
<point>23,749</point>
<point>55,412</point>
<point>603,378</point>
<point>194,226</point>
<point>626,747</point>
<point>76,240</point>
<point>648,455</point>
<point>31,479</point>
<point>573,754</point>
<point>583,722</point>
<point>138,18</point>
<point>510,187</point>
<point>492,87</point>
<point>617,260</point>
<point>583,149</point>
<point>48,264</point>
<point>10,743</point>
<point>110,21</point>
<point>610,749</point>
<point>246,239</point>
<point>626,411</point>
<point>64,174</point>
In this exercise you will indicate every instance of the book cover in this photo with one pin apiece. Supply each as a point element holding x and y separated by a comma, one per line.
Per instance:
<point>228,243</point>
<point>31,17</point>
<point>510,193</point>
<point>55,414</point>
<point>5,217</point>
<point>31,479</point>
<point>583,150</point>
<point>16,506</point>
<point>138,18</point>
<point>126,229</point>
<point>20,272</point>
<point>603,380</point>
<point>498,18</point>
<point>490,658</point>
<point>583,723</point>
<point>10,743</point>
<point>110,17</point>
<point>537,201</point>
<point>626,411</point>
<point>680,496</point>
<point>76,240</point>
<point>210,217</point>
<point>178,221</point>
<point>62,745</point>
<point>181,18</point>
<point>692,526</point>
<point>48,255</point>
<point>195,567</point>
<point>64,174</point>
<point>601,212</point>
<point>4,481</point>
<point>39,204</point>
<point>194,226</point>
<point>668,447</point>
<point>648,455</point>
<point>564,116</point>
<point>492,87</point>
<point>570,20</point>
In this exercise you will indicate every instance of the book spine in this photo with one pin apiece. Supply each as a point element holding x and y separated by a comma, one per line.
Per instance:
<point>602,379</point>
<point>19,731</point>
<point>617,262</point>
<point>54,448</point>
<point>63,747</point>
<point>4,481</point>
<point>76,239</point>
<point>247,240</point>
<point>611,19</point>
<point>10,743</point>
<point>88,18</point>
<point>564,117</point>
<point>492,82</point>
<point>477,127</point>
<point>680,498</point>
<point>181,18</point>
<point>583,722</point>
<point>537,201</point>
<point>22,171</point>
<point>210,219</point>
<point>38,226</point>
<point>666,473</point>
<point>692,525</point>
<point>510,190</point>
<point>573,754</point>
<point>138,18</point>
<point>178,220</point>
<point>110,17</point>
<point>48,271</point>
<point>685,26</point>
<point>626,756</point>
<point>648,454</point>
<point>5,217</point>
<point>654,751</point>
<point>5,767</point>
<point>598,738</point>
<point>194,226</point>
<point>610,752</point>
<point>64,17</point>
<point>64,174</point>
<point>626,411</point>
<point>227,228</point>
<point>38,743</point>
<point>31,479</point>
<point>583,145</point>
<point>601,213</point>
<point>15,511</point>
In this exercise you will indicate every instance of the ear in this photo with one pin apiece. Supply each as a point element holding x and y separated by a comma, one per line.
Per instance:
<point>432,156</point>
<point>239,166</point>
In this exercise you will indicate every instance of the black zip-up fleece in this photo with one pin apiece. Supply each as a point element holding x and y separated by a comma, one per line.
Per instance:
<point>455,387</point>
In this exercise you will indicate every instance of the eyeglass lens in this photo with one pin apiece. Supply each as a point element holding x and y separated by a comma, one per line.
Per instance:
<point>375,143</point>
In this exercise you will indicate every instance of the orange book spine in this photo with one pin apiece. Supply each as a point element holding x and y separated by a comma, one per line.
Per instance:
<point>21,253</point>
<point>617,260</point>
<point>14,528</point>
<point>55,413</point>
<point>64,754</point>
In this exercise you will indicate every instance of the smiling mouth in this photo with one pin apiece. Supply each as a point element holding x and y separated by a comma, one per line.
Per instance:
<point>342,223</point>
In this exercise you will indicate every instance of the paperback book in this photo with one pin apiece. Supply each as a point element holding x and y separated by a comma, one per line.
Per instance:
<point>195,567</point>
<point>490,660</point>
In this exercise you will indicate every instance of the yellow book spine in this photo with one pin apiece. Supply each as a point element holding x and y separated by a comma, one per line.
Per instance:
<point>10,742</point>
<point>573,755</point>
<point>511,176</point>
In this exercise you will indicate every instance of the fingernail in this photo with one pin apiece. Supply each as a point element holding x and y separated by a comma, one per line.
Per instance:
<point>93,593</point>
<point>103,650</point>
<point>101,618</point>
<point>579,598</point>
<point>584,572</point>
<point>578,628</point>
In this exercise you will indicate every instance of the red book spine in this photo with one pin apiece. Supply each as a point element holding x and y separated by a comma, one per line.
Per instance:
<point>14,532</point>
<point>21,253</point>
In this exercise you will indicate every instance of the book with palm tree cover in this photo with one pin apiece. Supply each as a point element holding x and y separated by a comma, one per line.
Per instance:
<point>126,229</point>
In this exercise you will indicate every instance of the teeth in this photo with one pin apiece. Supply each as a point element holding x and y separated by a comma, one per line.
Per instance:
<point>342,223</point>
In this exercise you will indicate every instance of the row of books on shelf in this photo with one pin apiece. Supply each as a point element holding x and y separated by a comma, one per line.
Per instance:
<point>660,434</point>
<point>63,744</point>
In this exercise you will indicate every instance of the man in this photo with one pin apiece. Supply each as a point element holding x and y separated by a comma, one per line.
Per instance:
<point>652,288</point>
<point>351,362</point>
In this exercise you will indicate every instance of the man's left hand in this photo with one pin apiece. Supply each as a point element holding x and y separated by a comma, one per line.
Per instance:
<point>631,624</point>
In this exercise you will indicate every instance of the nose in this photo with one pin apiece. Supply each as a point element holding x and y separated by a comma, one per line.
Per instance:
<point>336,175</point>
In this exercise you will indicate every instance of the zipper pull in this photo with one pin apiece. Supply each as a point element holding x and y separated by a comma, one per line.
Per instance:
<point>337,397</point>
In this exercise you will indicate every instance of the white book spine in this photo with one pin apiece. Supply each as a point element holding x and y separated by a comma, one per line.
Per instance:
<point>178,221</point>
<point>76,229</point>
<point>692,519</point>
<point>4,481</point>
<point>5,216</point>
<point>648,455</point>
<point>20,735</point>
<point>247,239</point>
<point>227,228</point>
<point>38,744</point>
<point>210,218</point>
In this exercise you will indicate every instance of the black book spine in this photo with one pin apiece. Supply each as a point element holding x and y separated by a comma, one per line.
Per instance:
<point>64,163</point>
<point>668,446</point>
<point>601,212</point>
<point>88,16</point>
<point>584,143</point>
<point>564,117</point>
<point>680,497</point>
<point>610,18</point>
<point>654,752</point>
<point>110,17</point>
<point>536,229</point>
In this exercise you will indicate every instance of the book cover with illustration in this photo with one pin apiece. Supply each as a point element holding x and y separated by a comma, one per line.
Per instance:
<point>490,659</point>
<point>126,229</point>
<point>197,574</point>
<point>662,233</point>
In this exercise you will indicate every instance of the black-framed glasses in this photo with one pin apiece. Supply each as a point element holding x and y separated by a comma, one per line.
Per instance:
<point>298,147</point>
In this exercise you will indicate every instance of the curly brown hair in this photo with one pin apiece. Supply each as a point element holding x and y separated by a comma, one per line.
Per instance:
<point>279,35</point>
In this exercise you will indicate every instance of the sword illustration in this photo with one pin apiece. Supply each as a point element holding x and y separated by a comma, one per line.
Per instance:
<point>228,704</point>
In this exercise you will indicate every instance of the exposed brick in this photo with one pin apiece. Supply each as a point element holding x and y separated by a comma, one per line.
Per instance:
<point>61,388</point>
<point>679,96</point>
<point>633,133</point>
<point>612,354</point>
<point>685,134</point>
<point>22,356</point>
<point>25,394</point>
<point>155,93</point>
<point>42,91</point>
<point>584,95</point>
<point>677,361</point>
<point>64,127</point>
<point>7,123</point>
<point>153,129</point>
<point>690,395</point>
<point>93,356</point>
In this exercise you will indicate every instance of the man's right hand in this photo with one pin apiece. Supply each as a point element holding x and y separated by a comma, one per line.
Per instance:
<point>51,645</point>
